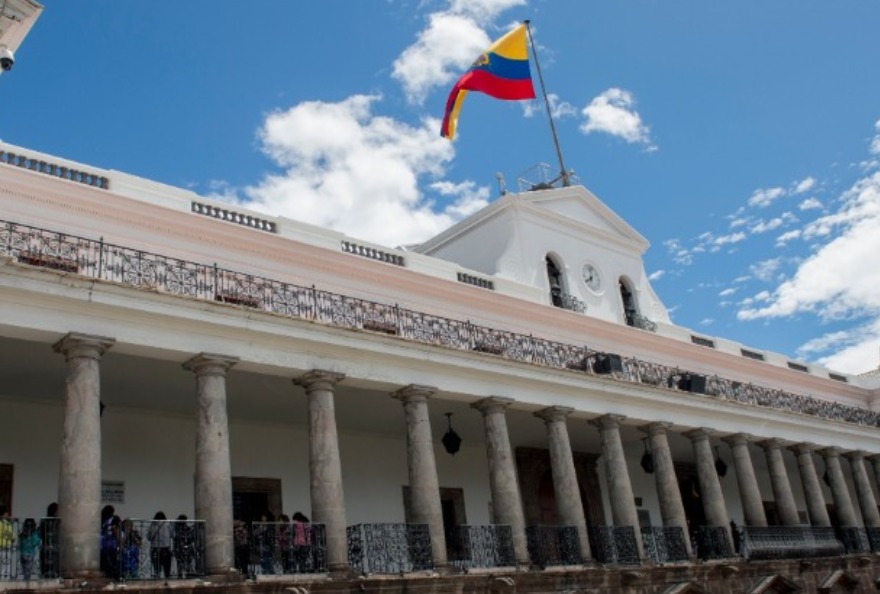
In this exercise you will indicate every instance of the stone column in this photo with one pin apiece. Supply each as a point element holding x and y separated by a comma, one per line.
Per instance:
<point>213,482</point>
<point>506,500</point>
<point>325,467</point>
<point>668,493</point>
<point>749,493</point>
<point>782,494</point>
<point>424,487</point>
<point>623,506</point>
<point>569,505</point>
<point>864,492</point>
<point>710,485</point>
<point>846,515</point>
<point>875,460</point>
<point>812,489</point>
<point>79,479</point>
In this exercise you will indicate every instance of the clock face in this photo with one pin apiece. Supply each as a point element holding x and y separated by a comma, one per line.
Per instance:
<point>591,277</point>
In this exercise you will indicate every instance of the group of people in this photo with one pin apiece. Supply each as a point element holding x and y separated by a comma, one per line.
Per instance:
<point>122,542</point>
<point>283,546</point>
<point>266,547</point>
<point>32,541</point>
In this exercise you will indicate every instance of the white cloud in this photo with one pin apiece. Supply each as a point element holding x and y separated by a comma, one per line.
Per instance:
<point>838,282</point>
<point>810,204</point>
<point>656,275</point>
<point>765,270</point>
<point>558,108</point>
<point>805,185</point>
<point>345,168</point>
<point>706,322</point>
<point>763,226</point>
<point>447,46</point>
<point>764,197</point>
<point>854,351</point>
<point>875,142</point>
<point>788,236</point>
<point>727,292</point>
<point>728,239</point>
<point>613,113</point>
<point>444,50</point>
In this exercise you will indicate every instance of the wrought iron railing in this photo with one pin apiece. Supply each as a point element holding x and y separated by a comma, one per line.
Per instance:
<point>480,546</point>
<point>153,549</point>
<point>639,321</point>
<point>281,548</point>
<point>389,548</point>
<point>553,545</point>
<point>155,272</point>
<point>571,303</point>
<point>873,535</point>
<point>664,544</point>
<point>614,545</point>
<point>789,542</point>
<point>712,542</point>
<point>29,549</point>
<point>855,540</point>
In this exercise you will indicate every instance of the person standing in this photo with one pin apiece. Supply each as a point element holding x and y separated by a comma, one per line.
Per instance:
<point>28,545</point>
<point>159,536</point>
<point>48,529</point>
<point>7,540</point>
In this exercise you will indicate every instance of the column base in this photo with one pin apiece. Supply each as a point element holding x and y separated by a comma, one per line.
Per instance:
<point>341,572</point>
<point>224,575</point>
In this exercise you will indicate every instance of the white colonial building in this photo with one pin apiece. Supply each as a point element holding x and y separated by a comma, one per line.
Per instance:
<point>162,351</point>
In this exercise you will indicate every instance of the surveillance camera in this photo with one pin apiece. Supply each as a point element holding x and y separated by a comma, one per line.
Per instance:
<point>7,58</point>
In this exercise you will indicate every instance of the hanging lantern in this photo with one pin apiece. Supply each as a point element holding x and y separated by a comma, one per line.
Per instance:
<point>720,466</point>
<point>451,440</point>
<point>647,459</point>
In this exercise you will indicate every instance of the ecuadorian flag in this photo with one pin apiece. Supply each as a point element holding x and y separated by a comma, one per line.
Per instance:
<point>501,72</point>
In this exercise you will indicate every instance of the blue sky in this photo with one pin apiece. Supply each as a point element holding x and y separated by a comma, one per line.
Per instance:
<point>742,139</point>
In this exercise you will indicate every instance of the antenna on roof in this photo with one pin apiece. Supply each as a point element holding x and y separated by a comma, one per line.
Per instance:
<point>502,186</point>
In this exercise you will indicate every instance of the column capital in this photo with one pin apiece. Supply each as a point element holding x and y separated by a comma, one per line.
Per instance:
<point>554,413</point>
<point>803,448</point>
<point>492,404</point>
<point>414,393</point>
<point>830,452</point>
<point>317,379</point>
<point>77,345</point>
<point>610,421</point>
<point>738,439</point>
<point>855,455</point>
<point>655,428</point>
<point>774,443</point>
<point>700,434</point>
<point>210,364</point>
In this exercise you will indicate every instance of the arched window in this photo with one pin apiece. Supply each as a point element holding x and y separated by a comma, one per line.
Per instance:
<point>554,276</point>
<point>630,310</point>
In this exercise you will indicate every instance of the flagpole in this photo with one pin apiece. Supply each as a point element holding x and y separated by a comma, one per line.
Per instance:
<point>563,173</point>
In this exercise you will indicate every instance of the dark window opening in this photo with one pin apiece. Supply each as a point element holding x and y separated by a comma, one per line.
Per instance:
<point>630,312</point>
<point>555,278</point>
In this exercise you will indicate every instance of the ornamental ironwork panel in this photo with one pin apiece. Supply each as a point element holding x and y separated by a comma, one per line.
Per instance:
<point>148,271</point>
<point>855,540</point>
<point>480,546</point>
<point>614,545</point>
<point>280,548</point>
<point>873,535</point>
<point>789,542</point>
<point>664,544</point>
<point>389,548</point>
<point>553,545</point>
<point>712,542</point>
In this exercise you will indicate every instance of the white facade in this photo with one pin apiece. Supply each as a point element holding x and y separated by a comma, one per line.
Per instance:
<point>488,272</point>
